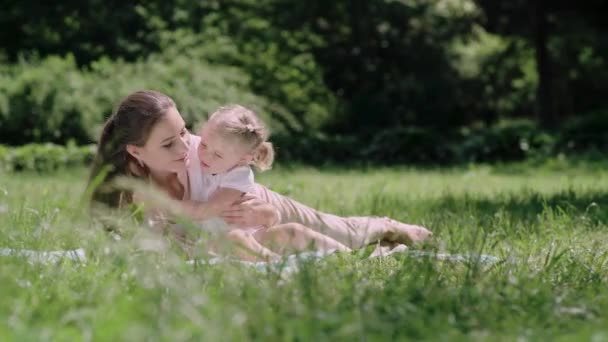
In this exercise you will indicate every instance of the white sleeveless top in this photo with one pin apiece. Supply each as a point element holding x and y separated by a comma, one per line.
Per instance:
<point>201,186</point>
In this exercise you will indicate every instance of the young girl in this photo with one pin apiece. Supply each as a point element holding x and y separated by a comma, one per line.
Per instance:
<point>232,140</point>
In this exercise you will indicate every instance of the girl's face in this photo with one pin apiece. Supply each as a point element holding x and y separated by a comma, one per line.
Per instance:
<point>219,154</point>
<point>167,147</point>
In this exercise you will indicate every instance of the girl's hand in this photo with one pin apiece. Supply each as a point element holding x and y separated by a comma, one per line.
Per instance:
<point>250,211</point>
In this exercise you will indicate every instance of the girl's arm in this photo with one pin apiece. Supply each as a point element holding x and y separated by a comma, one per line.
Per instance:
<point>251,211</point>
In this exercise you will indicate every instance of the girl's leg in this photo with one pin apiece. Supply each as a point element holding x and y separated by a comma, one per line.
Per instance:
<point>293,237</point>
<point>354,232</point>
<point>244,246</point>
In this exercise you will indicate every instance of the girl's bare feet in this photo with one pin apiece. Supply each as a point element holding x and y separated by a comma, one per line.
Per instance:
<point>247,248</point>
<point>406,233</point>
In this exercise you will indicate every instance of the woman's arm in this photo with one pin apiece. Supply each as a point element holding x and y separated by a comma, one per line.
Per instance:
<point>219,201</point>
<point>160,202</point>
<point>236,209</point>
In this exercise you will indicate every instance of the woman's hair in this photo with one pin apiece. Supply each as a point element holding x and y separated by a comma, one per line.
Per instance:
<point>236,121</point>
<point>131,124</point>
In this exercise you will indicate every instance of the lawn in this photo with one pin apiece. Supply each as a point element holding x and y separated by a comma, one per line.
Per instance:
<point>547,225</point>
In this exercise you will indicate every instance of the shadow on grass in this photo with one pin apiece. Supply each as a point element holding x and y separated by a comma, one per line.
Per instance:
<point>526,207</point>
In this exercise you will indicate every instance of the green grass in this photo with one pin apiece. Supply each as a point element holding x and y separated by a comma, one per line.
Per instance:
<point>548,225</point>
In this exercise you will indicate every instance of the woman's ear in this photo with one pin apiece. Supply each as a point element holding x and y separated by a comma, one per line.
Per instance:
<point>133,150</point>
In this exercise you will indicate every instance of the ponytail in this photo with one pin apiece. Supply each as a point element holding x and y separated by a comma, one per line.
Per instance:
<point>110,162</point>
<point>244,124</point>
<point>263,156</point>
<point>131,124</point>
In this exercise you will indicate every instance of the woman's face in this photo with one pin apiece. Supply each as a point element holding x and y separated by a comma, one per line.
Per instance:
<point>167,147</point>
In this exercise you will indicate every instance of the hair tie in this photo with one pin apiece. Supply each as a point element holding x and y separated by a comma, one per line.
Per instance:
<point>250,128</point>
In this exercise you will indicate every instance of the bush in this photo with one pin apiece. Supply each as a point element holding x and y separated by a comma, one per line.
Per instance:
<point>52,101</point>
<point>395,146</point>
<point>409,145</point>
<point>42,101</point>
<point>584,134</point>
<point>4,152</point>
<point>44,157</point>
<point>316,148</point>
<point>507,140</point>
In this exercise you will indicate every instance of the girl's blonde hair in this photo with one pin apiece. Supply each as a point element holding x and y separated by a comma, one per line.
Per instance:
<point>243,123</point>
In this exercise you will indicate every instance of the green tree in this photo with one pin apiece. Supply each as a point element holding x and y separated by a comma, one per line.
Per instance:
<point>569,43</point>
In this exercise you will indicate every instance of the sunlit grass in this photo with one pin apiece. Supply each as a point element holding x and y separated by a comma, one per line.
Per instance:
<point>547,226</point>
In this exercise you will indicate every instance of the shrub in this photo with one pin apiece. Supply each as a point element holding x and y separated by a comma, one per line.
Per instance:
<point>316,148</point>
<point>44,157</point>
<point>585,133</point>
<point>409,145</point>
<point>42,101</point>
<point>52,101</point>
<point>507,140</point>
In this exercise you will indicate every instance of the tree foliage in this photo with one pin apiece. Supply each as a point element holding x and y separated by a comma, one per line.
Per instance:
<point>342,70</point>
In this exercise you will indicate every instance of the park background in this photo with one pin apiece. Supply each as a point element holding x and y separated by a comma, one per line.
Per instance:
<point>484,121</point>
<point>391,82</point>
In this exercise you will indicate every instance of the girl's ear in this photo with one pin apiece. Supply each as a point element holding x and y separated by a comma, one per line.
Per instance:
<point>133,150</point>
<point>247,159</point>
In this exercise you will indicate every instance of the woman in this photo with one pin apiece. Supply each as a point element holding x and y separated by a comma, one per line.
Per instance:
<point>146,138</point>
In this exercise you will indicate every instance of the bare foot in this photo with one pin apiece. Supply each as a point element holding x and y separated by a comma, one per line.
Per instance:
<point>247,248</point>
<point>385,248</point>
<point>406,233</point>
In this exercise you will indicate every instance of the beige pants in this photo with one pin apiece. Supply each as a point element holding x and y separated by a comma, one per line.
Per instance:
<point>353,232</point>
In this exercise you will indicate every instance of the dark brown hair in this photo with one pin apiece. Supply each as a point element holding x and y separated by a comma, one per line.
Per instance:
<point>131,124</point>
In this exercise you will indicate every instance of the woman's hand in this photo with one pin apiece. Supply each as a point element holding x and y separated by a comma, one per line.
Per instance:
<point>250,211</point>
